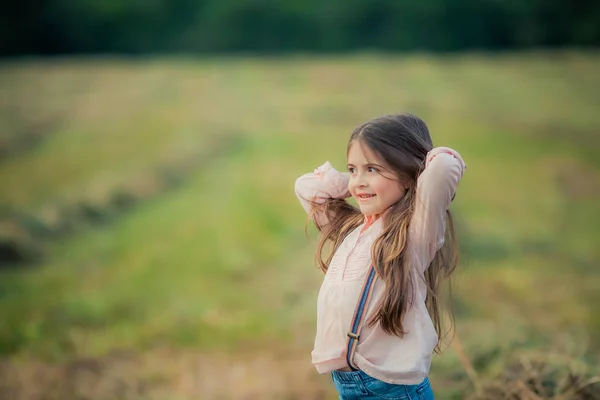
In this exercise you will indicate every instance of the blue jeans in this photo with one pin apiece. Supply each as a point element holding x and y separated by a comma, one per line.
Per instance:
<point>357,385</point>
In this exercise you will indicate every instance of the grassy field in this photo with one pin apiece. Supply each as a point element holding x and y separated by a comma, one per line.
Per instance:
<point>152,246</point>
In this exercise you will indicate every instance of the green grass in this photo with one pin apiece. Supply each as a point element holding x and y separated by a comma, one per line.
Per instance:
<point>219,263</point>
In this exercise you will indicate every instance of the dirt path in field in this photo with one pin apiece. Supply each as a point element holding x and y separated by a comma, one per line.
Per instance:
<point>168,374</point>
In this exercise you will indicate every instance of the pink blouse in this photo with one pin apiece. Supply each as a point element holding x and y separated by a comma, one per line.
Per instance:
<point>385,357</point>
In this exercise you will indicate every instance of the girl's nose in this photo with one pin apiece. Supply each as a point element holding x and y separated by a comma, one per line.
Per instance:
<point>362,182</point>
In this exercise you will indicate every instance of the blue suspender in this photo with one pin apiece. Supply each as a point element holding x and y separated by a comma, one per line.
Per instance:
<point>357,321</point>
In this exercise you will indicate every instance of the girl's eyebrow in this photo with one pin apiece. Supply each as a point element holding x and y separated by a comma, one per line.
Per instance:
<point>369,165</point>
<point>375,165</point>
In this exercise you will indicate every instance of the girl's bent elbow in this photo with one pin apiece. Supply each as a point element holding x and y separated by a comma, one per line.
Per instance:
<point>300,186</point>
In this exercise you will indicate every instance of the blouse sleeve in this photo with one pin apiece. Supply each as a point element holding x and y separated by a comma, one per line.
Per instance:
<point>319,186</point>
<point>436,187</point>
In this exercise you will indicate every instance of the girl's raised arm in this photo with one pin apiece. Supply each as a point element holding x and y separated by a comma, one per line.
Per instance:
<point>319,186</point>
<point>436,187</point>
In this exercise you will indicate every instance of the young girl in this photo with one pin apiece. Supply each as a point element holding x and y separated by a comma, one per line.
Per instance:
<point>378,318</point>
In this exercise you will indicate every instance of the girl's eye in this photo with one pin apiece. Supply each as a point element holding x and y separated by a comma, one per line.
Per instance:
<point>373,169</point>
<point>351,170</point>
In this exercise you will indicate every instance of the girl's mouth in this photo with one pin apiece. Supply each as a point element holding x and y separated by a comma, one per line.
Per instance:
<point>365,196</point>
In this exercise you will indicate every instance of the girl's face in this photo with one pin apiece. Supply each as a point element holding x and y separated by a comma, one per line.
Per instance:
<point>372,182</point>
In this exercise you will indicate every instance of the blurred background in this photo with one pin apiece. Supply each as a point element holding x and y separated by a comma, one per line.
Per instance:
<point>151,245</point>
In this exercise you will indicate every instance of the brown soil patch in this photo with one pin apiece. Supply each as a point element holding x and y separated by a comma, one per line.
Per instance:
<point>167,374</point>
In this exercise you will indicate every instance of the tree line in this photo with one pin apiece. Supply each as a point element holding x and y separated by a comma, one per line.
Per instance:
<point>270,26</point>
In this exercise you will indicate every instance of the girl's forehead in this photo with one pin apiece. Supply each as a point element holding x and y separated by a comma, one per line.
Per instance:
<point>359,152</point>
